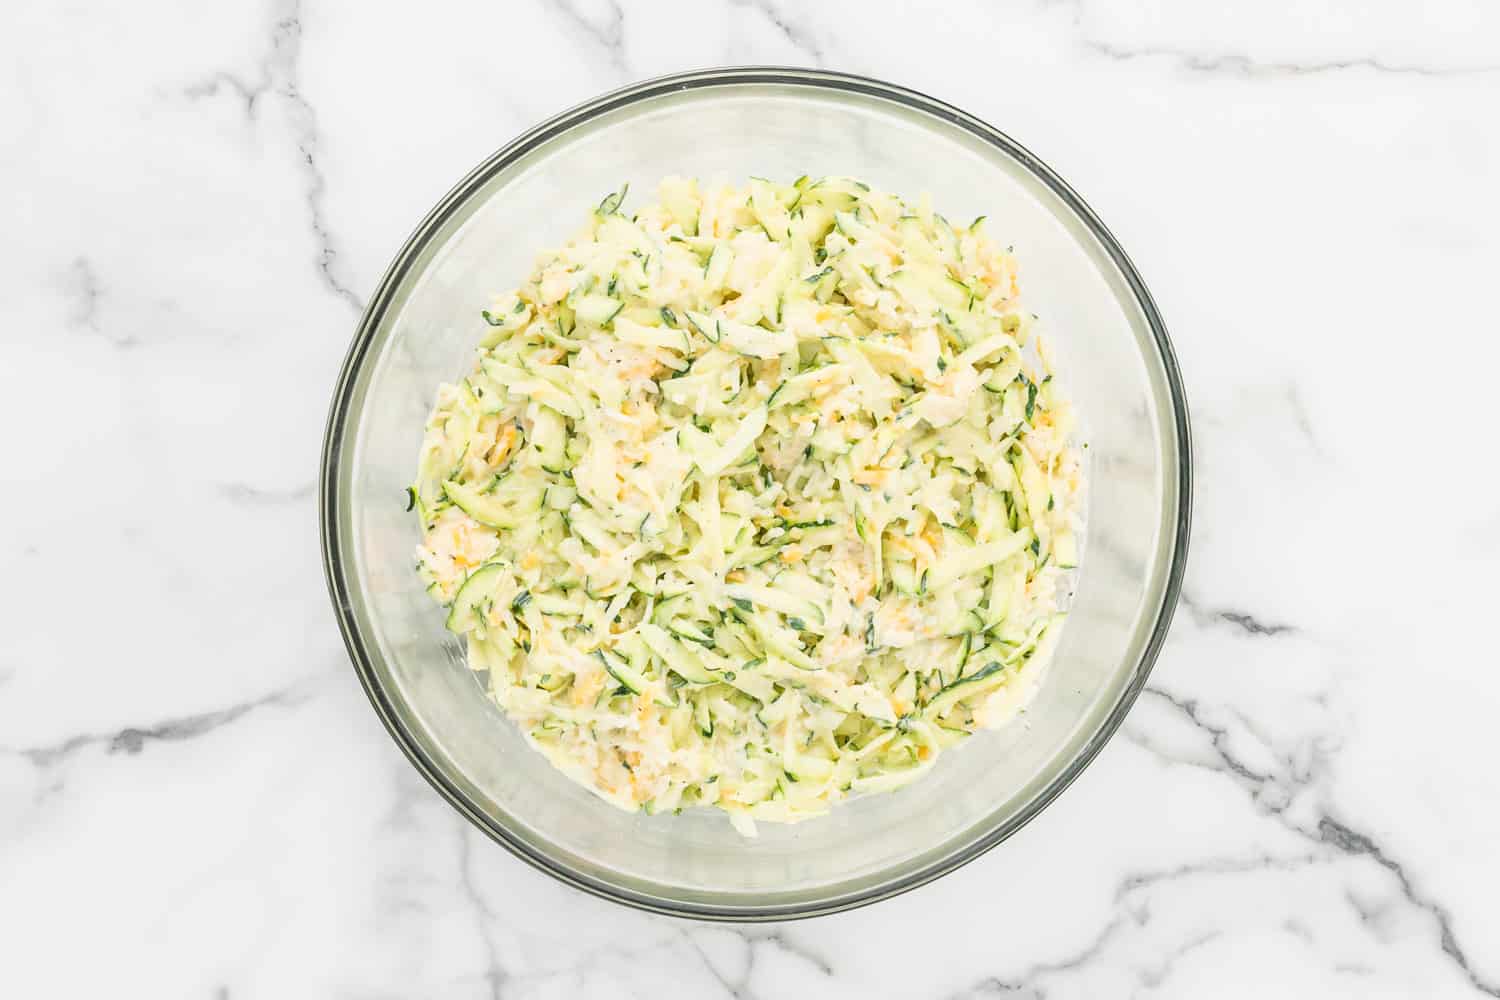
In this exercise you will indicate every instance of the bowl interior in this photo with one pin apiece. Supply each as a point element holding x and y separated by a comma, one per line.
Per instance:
<point>421,330</point>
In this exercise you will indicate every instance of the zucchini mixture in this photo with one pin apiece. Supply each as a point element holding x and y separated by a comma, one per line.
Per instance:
<point>755,498</point>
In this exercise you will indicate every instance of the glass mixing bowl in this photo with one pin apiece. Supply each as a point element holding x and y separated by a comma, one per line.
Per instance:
<point>1113,360</point>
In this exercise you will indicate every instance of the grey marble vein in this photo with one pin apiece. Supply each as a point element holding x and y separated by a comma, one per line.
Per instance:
<point>133,739</point>
<point>1272,792</point>
<point>245,495</point>
<point>1329,832</point>
<point>778,940</point>
<point>608,32</point>
<point>249,93</point>
<point>798,35</point>
<point>1024,982</point>
<point>1213,866</point>
<point>592,960</point>
<point>1300,931</point>
<point>285,64</point>
<point>1302,419</point>
<point>1218,736</point>
<point>1356,843</point>
<point>1369,913</point>
<point>1253,625</point>
<point>410,794</point>
<point>1244,621</point>
<point>85,292</point>
<point>1159,972</point>
<point>278,73</point>
<point>1325,831</point>
<point>495,976</point>
<point>739,987</point>
<point>1353,969</point>
<point>1238,64</point>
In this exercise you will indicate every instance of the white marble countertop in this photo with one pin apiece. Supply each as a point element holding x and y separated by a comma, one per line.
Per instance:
<point>195,798</point>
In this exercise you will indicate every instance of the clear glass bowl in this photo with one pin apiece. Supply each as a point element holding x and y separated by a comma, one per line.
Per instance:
<point>1114,361</point>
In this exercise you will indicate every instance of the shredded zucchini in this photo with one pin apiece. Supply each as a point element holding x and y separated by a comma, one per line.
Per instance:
<point>757,498</point>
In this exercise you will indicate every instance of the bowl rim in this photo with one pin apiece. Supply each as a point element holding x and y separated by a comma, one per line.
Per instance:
<point>330,498</point>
